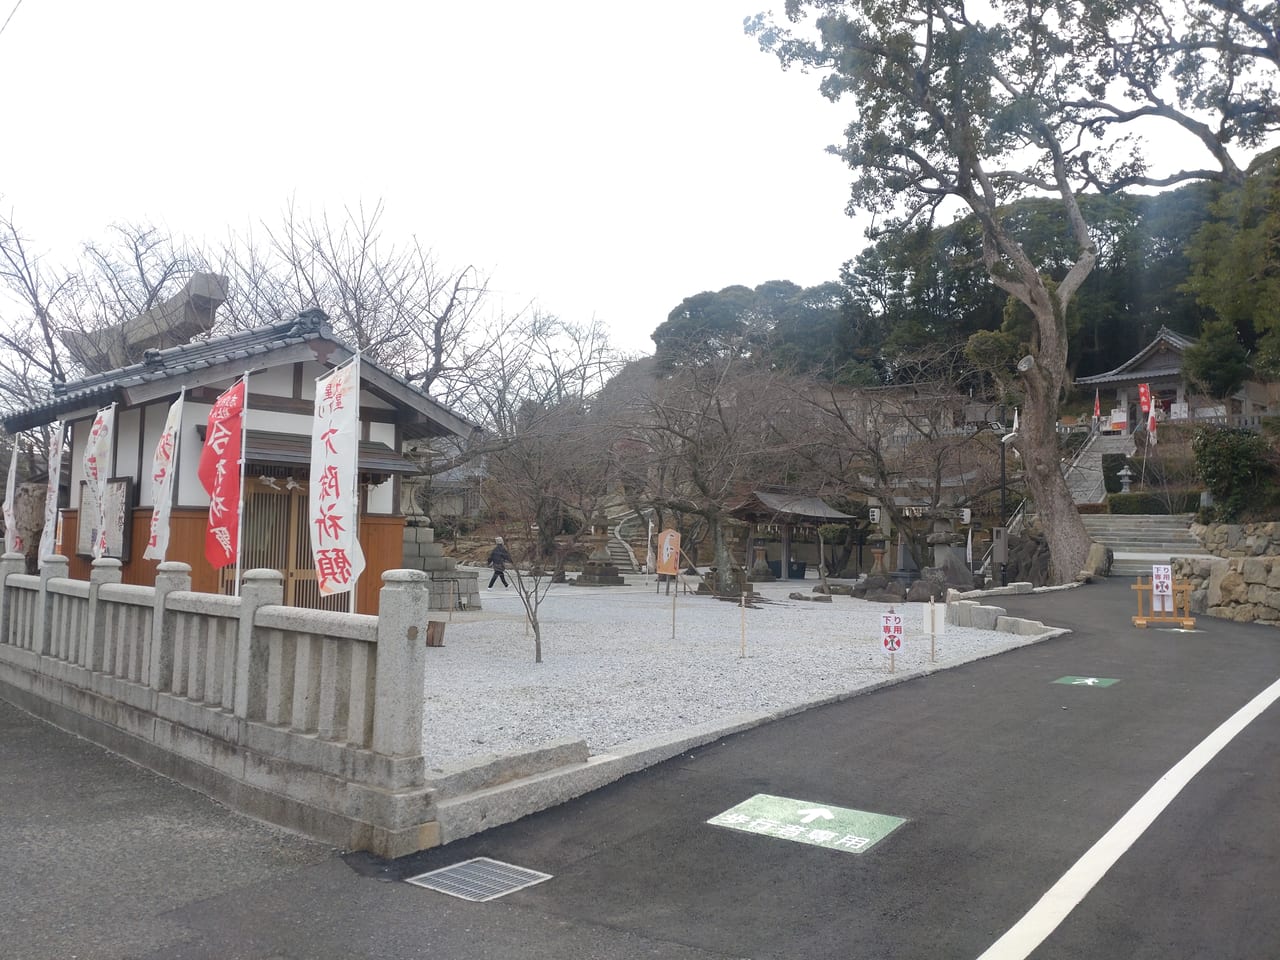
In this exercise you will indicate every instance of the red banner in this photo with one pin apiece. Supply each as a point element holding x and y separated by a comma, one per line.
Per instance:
<point>1097,406</point>
<point>220,473</point>
<point>1144,397</point>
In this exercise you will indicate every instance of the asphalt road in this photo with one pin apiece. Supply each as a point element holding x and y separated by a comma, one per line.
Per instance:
<point>1004,779</point>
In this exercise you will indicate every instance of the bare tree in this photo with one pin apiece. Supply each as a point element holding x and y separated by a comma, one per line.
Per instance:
<point>704,432</point>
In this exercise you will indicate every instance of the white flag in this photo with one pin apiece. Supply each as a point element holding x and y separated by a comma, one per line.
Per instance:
<point>1151,425</point>
<point>12,542</point>
<point>335,451</point>
<point>968,548</point>
<point>97,471</point>
<point>163,468</point>
<point>650,559</point>
<point>49,534</point>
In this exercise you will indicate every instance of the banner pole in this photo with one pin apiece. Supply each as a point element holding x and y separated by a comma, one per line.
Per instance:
<point>742,652</point>
<point>244,451</point>
<point>355,487</point>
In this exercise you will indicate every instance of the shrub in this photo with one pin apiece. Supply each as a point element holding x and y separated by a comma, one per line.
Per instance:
<point>1233,464</point>
<point>1153,503</point>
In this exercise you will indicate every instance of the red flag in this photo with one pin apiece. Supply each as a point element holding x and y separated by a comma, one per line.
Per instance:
<point>220,473</point>
<point>1144,397</point>
<point>1097,405</point>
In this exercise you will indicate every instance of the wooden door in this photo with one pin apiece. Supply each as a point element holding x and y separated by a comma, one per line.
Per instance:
<point>276,536</point>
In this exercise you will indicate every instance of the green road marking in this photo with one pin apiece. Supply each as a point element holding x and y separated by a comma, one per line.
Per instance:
<point>1086,681</point>
<point>818,824</point>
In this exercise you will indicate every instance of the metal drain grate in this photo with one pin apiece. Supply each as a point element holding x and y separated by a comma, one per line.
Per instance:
<point>479,880</point>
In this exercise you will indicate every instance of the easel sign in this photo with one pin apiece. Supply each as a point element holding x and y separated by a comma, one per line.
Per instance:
<point>1161,588</point>
<point>1169,609</point>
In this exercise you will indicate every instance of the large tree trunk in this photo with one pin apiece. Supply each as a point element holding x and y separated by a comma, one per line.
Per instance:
<point>1037,444</point>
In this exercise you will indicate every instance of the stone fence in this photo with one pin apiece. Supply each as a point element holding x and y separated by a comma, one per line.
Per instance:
<point>305,718</point>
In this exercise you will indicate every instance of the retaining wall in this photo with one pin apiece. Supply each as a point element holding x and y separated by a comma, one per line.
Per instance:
<point>1239,539</point>
<point>1244,589</point>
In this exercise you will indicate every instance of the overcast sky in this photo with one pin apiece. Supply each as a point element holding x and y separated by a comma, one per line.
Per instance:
<point>606,160</point>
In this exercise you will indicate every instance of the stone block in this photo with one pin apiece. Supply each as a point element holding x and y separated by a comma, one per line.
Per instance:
<point>1021,586</point>
<point>1232,589</point>
<point>1020,627</point>
<point>1256,593</point>
<point>1273,574</point>
<point>1254,570</point>
<point>984,617</point>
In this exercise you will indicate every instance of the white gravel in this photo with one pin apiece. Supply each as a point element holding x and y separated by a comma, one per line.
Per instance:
<point>612,672</point>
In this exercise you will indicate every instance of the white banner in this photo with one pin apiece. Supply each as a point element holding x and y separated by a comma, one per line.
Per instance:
<point>97,471</point>
<point>163,468</point>
<point>48,536</point>
<point>335,452</point>
<point>12,542</point>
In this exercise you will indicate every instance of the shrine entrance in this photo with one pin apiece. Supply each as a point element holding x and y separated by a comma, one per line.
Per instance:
<point>276,536</point>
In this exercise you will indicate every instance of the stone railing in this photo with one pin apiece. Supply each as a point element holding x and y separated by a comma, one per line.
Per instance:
<point>307,718</point>
<point>1244,589</point>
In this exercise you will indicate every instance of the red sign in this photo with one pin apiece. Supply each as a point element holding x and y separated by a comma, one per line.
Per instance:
<point>1144,397</point>
<point>220,474</point>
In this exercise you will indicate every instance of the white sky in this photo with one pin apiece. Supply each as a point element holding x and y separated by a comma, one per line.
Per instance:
<point>605,159</point>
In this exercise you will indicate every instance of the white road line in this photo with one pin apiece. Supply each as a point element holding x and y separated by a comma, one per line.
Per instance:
<point>1042,919</point>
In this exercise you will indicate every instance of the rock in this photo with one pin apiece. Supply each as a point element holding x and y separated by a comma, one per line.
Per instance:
<point>1232,589</point>
<point>842,590</point>
<point>1254,570</point>
<point>922,591</point>
<point>1099,561</point>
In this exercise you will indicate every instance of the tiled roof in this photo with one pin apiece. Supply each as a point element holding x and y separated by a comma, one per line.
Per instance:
<point>1129,369</point>
<point>789,505</point>
<point>185,363</point>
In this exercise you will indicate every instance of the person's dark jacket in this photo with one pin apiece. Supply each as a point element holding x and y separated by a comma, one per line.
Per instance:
<point>499,558</point>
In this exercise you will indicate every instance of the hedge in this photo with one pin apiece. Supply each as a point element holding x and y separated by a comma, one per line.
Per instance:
<point>1153,503</point>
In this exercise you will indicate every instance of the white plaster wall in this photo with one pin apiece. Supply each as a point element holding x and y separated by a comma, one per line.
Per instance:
<point>152,427</point>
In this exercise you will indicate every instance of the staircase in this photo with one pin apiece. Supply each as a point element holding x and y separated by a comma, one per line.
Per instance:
<point>620,556</point>
<point>1140,541</point>
<point>1084,478</point>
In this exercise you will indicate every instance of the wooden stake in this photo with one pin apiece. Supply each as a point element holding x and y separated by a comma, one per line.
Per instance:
<point>743,650</point>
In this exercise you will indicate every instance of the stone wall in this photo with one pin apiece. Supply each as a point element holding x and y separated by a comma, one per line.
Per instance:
<point>1244,589</point>
<point>1239,539</point>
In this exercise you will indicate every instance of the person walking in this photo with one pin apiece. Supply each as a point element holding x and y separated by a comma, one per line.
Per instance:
<point>498,559</point>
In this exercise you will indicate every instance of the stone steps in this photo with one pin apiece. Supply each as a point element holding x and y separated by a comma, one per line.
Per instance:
<point>1137,542</point>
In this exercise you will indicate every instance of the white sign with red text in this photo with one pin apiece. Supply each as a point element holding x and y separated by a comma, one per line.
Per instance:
<point>162,471</point>
<point>335,451</point>
<point>891,631</point>
<point>97,471</point>
<point>1161,587</point>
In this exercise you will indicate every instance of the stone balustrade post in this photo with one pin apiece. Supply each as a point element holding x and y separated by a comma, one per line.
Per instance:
<point>170,576</point>
<point>9,563</point>
<point>54,567</point>
<point>259,588</point>
<point>104,570</point>
<point>403,607</point>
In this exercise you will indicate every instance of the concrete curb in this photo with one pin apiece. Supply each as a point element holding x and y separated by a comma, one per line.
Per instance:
<point>467,814</point>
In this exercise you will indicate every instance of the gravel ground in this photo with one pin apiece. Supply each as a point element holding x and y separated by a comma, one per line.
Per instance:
<point>612,672</point>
